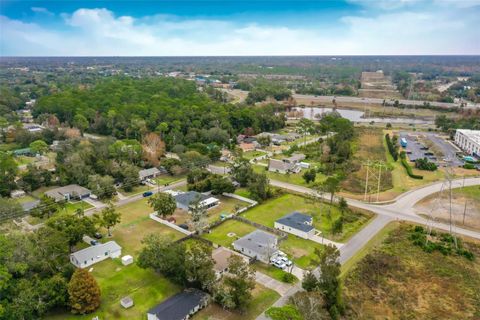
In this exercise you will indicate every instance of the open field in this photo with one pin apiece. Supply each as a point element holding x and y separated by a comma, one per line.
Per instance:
<point>398,280</point>
<point>323,215</point>
<point>25,198</point>
<point>116,281</point>
<point>295,178</point>
<point>464,200</point>
<point>253,154</point>
<point>262,299</point>
<point>367,146</point>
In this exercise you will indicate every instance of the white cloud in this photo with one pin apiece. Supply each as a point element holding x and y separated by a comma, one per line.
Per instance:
<point>100,32</point>
<point>41,10</point>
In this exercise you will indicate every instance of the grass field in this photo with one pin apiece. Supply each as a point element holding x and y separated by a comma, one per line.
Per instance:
<point>273,209</point>
<point>116,281</point>
<point>253,154</point>
<point>271,271</point>
<point>262,299</point>
<point>165,179</point>
<point>26,198</point>
<point>398,280</point>
<point>293,178</point>
<point>219,234</point>
<point>136,190</point>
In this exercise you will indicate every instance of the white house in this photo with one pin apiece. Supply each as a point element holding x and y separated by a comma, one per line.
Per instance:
<point>258,244</point>
<point>296,223</point>
<point>283,167</point>
<point>93,254</point>
<point>468,141</point>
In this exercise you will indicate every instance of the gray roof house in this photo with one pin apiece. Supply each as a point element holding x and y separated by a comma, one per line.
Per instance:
<point>69,192</point>
<point>93,254</point>
<point>180,307</point>
<point>148,173</point>
<point>296,223</point>
<point>295,158</point>
<point>185,200</point>
<point>281,166</point>
<point>258,244</point>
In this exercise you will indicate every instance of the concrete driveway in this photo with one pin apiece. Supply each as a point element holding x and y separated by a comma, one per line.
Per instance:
<point>280,287</point>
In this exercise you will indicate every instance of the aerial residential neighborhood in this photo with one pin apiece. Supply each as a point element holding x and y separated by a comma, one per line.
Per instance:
<point>239,160</point>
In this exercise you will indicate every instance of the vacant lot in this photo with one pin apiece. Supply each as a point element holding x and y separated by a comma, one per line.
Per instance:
<point>135,190</point>
<point>237,229</point>
<point>116,281</point>
<point>464,200</point>
<point>398,280</point>
<point>323,215</point>
<point>253,154</point>
<point>368,146</point>
<point>166,179</point>
<point>262,299</point>
<point>293,178</point>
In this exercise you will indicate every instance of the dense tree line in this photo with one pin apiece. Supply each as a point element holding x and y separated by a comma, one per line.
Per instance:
<point>173,108</point>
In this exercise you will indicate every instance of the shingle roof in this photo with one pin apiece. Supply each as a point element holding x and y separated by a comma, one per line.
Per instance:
<point>179,306</point>
<point>97,250</point>
<point>280,165</point>
<point>187,198</point>
<point>148,172</point>
<point>72,189</point>
<point>297,221</point>
<point>258,241</point>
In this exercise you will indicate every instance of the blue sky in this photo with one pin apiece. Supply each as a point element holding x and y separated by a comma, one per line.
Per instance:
<point>229,27</point>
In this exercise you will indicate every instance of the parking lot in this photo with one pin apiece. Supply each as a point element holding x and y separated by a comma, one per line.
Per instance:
<point>415,149</point>
<point>449,151</point>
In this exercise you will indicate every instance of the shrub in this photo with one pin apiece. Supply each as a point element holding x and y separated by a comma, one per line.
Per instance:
<point>288,278</point>
<point>403,160</point>
<point>424,164</point>
<point>469,166</point>
<point>392,148</point>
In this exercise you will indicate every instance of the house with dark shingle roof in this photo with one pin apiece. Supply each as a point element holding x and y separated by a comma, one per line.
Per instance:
<point>258,245</point>
<point>296,223</point>
<point>180,307</point>
<point>186,199</point>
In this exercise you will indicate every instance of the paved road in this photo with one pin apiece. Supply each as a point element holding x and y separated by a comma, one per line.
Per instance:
<point>400,209</point>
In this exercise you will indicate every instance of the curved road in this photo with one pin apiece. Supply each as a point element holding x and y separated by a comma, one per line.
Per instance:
<point>400,209</point>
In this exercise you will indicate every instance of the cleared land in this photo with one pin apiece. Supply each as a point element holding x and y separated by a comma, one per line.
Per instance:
<point>166,179</point>
<point>262,299</point>
<point>398,280</point>
<point>293,178</point>
<point>464,200</point>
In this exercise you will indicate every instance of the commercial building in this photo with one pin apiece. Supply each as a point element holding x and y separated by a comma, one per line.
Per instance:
<point>296,223</point>
<point>258,245</point>
<point>468,141</point>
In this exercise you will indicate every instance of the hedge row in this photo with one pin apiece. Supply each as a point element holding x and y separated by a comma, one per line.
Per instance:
<point>406,165</point>
<point>392,148</point>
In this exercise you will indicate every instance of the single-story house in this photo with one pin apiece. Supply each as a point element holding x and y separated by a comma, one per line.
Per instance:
<point>295,158</point>
<point>23,152</point>
<point>221,255</point>
<point>186,199</point>
<point>246,146</point>
<point>93,254</point>
<point>296,223</point>
<point>281,166</point>
<point>258,244</point>
<point>69,192</point>
<point>180,307</point>
<point>148,173</point>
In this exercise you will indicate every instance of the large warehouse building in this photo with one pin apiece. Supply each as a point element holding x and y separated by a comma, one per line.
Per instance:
<point>468,141</point>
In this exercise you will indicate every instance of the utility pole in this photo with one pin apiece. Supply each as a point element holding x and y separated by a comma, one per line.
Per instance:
<point>366,181</point>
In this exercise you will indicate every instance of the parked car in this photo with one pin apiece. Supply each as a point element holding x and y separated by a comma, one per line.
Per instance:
<point>183,226</point>
<point>285,260</point>
<point>98,235</point>
<point>93,242</point>
<point>279,264</point>
<point>147,193</point>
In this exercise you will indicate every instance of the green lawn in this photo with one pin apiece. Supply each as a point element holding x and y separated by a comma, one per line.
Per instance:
<point>472,192</point>
<point>219,236</point>
<point>271,271</point>
<point>261,300</point>
<point>253,154</point>
<point>293,178</point>
<point>165,179</point>
<point>300,251</point>
<point>243,192</point>
<point>271,210</point>
<point>26,198</point>
<point>227,206</point>
<point>116,281</point>
<point>23,160</point>
<point>71,207</point>
<point>136,190</point>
